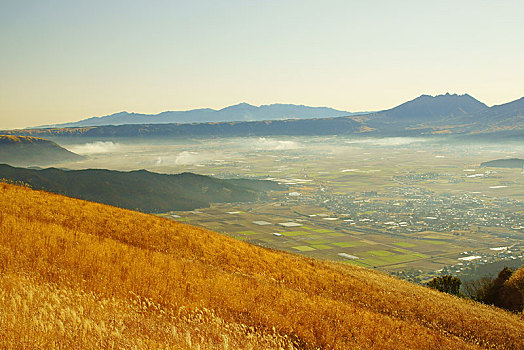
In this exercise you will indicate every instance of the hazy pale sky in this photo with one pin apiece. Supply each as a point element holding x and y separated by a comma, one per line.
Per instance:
<point>65,60</point>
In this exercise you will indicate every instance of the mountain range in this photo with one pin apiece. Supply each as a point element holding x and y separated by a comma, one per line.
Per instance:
<point>239,112</point>
<point>141,190</point>
<point>448,114</point>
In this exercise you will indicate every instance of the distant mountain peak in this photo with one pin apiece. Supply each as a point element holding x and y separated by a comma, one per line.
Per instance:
<point>427,107</point>
<point>120,113</point>
<point>445,96</point>
<point>242,105</point>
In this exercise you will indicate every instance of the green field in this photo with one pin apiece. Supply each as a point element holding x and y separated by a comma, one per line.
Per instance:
<point>405,244</point>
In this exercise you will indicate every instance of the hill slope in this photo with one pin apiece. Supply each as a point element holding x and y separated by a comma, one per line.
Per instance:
<point>141,190</point>
<point>85,275</point>
<point>239,112</point>
<point>504,163</point>
<point>26,150</point>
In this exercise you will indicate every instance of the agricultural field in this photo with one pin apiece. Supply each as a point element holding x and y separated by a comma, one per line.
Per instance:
<point>307,230</point>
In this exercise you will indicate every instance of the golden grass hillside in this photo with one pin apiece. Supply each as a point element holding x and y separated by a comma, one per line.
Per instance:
<point>12,139</point>
<point>75,274</point>
<point>15,139</point>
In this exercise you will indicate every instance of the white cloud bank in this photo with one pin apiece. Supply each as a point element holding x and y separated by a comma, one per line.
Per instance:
<point>95,147</point>
<point>275,145</point>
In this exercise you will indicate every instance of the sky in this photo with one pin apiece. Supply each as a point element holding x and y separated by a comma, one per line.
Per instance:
<point>64,60</point>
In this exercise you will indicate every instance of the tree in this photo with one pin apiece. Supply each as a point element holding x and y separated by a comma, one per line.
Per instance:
<point>477,289</point>
<point>504,294</point>
<point>516,283</point>
<point>447,284</point>
<point>505,291</point>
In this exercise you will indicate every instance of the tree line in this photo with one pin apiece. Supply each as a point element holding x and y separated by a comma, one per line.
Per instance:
<point>505,291</point>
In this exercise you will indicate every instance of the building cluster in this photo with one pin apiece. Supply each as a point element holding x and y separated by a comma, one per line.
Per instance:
<point>410,209</point>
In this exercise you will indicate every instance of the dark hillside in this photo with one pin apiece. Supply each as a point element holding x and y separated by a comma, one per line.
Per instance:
<point>141,190</point>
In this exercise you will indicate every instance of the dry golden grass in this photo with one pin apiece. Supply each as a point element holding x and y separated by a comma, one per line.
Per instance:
<point>75,274</point>
<point>517,281</point>
<point>11,139</point>
<point>48,132</point>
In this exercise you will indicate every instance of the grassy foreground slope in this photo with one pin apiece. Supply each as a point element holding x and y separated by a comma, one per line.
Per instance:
<point>75,274</point>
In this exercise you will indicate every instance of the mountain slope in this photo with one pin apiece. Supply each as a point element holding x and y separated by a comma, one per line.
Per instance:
<point>85,275</point>
<point>505,117</point>
<point>25,150</point>
<point>503,111</point>
<point>141,190</point>
<point>239,112</point>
